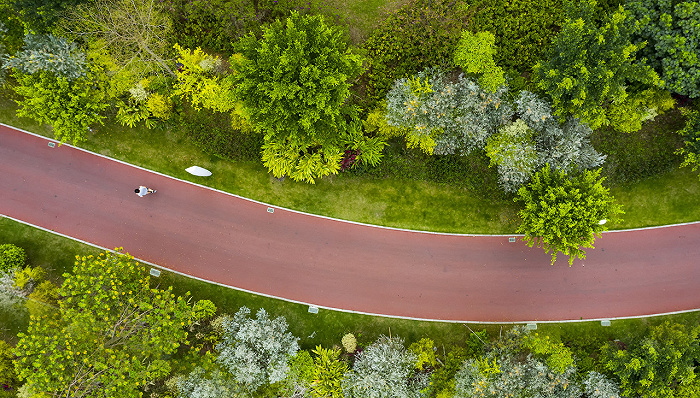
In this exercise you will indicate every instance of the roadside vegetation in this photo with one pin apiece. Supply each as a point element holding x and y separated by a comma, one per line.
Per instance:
<point>437,115</point>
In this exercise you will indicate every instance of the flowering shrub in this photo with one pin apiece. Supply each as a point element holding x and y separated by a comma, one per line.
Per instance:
<point>11,256</point>
<point>349,343</point>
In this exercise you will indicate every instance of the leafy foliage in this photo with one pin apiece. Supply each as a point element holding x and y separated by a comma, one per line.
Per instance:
<point>202,384</point>
<point>217,24</point>
<point>421,34</point>
<point>557,356</point>
<point>48,53</point>
<point>293,84</point>
<point>135,33</point>
<point>513,151</point>
<point>11,256</point>
<point>591,66</point>
<point>8,377</point>
<point>42,15</point>
<point>524,30</point>
<point>656,366</point>
<point>255,351</point>
<point>349,342</point>
<point>328,372</point>
<point>474,55</point>
<point>69,106</point>
<point>109,334</point>
<point>458,117</point>
<point>201,83</point>
<point>424,349</point>
<point>691,136</point>
<point>597,385</point>
<point>672,34</point>
<point>384,369</point>
<point>563,213</point>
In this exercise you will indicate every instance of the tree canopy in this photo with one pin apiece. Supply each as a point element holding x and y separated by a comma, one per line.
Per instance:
<point>293,83</point>
<point>591,65</point>
<point>564,212</point>
<point>109,334</point>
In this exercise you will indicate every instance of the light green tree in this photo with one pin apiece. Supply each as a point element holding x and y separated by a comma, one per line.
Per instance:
<point>564,213</point>
<point>474,55</point>
<point>69,106</point>
<point>591,66</point>
<point>108,337</point>
<point>691,136</point>
<point>657,366</point>
<point>293,84</point>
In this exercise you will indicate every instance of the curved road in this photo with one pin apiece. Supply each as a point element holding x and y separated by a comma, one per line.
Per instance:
<point>237,242</point>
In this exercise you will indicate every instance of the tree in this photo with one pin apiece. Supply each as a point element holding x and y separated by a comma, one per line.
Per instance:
<point>384,370</point>
<point>590,67</point>
<point>328,372</point>
<point>293,83</point>
<point>513,151</point>
<point>474,55</point>
<point>134,32</point>
<point>255,351</point>
<point>564,213</point>
<point>691,136</point>
<point>69,106</point>
<point>109,335</point>
<point>446,117</point>
<point>41,16</point>
<point>658,365</point>
<point>51,54</point>
<point>673,41</point>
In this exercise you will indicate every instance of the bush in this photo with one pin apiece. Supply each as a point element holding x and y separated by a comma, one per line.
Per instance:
<point>349,343</point>
<point>442,380</point>
<point>422,33</point>
<point>524,29</point>
<point>11,257</point>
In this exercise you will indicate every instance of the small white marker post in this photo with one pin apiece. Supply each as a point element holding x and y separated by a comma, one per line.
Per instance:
<point>605,322</point>
<point>52,145</point>
<point>603,221</point>
<point>313,310</point>
<point>155,272</point>
<point>270,210</point>
<point>531,326</point>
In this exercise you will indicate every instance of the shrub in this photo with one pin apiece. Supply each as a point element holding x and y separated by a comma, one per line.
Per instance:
<point>475,56</point>
<point>523,29</point>
<point>425,353</point>
<point>442,380</point>
<point>421,34</point>
<point>27,278</point>
<point>691,137</point>
<point>349,343</point>
<point>11,256</point>
<point>383,370</point>
<point>557,356</point>
<point>255,351</point>
<point>328,372</point>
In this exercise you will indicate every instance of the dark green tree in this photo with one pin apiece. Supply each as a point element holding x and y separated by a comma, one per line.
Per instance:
<point>691,136</point>
<point>108,337</point>
<point>564,213</point>
<point>672,33</point>
<point>293,83</point>
<point>591,66</point>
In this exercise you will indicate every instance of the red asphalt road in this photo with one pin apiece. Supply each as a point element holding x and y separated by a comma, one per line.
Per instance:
<point>236,242</point>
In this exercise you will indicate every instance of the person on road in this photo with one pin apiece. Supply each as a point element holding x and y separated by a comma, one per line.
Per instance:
<point>143,191</point>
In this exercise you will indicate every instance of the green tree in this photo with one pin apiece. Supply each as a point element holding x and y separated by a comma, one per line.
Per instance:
<point>108,337</point>
<point>691,136</point>
<point>328,373</point>
<point>41,16</point>
<point>48,53</point>
<point>564,213</point>
<point>672,33</point>
<point>474,55</point>
<point>557,356</point>
<point>134,33</point>
<point>590,67</point>
<point>658,365</point>
<point>293,83</point>
<point>69,106</point>
<point>11,257</point>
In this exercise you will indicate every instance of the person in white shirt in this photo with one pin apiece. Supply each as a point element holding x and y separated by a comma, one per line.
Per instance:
<point>143,191</point>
